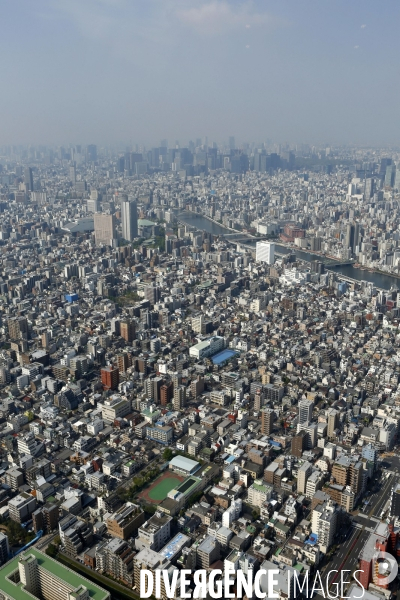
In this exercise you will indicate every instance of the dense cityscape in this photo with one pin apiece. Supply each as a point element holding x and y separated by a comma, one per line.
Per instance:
<point>199,366</point>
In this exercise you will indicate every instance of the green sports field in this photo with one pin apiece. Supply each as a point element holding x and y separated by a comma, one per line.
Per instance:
<point>160,490</point>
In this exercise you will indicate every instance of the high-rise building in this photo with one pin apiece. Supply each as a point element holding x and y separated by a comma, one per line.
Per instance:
<point>397,178</point>
<point>115,557</point>
<point>390,175</point>
<point>197,386</point>
<point>129,220</point>
<point>124,361</point>
<point>18,328</point>
<point>92,152</point>
<point>384,538</point>
<point>51,515</point>
<point>166,393</point>
<point>179,397</point>
<point>265,252</point>
<point>125,522</point>
<point>152,293</point>
<point>128,330</point>
<point>299,443</point>
<point>38,520</point>
<point>72,174</point>
<point>348,472</point>
<point>28,178</point>
<point>197,323</point>
<point>153,561</point>
<point>395,501</point>
<point>333,421</point>
<point>303,474</point>
<point>268,417</point>
<point>4,548</point>
<point>21,507</point>
<point>356,240</point>
<point>258,399</point>
<point>324,524</point>
<point>104,229</point>
<point>155,533</point>
<point>39,576</point>
<point>350,230</point>
<point>110,378</point>
<point>305,411</point>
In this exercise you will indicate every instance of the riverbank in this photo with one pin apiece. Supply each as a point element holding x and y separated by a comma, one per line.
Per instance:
<point>191,213</point>
<point>380,280</point>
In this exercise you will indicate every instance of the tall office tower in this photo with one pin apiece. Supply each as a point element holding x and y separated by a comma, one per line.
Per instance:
<point>231,142</point>
<point>349,236</point>
<point>397,178</point>
<point>28,178</point>
<point>305,411</point>
<point>104,229</point>
<point>129,220</point>
<point>356,240</point>
<point>92,152</point>
<point>128,330</point>
<point>267,420</point>
<point>390,175</point>
<point>72,174</point>
<point>369,187</point>
<point>385,162</point>
<point>265,252</point>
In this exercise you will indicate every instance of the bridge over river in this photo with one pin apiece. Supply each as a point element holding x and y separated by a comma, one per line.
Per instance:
<point>344,269</point>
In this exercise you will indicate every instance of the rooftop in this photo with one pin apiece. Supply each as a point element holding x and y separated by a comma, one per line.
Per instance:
<point>181,462</point>
<point>52,566</point>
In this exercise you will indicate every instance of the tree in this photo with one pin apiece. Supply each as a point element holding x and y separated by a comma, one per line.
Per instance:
<point>51,550</point>
<point>167,454</point>
<point>16,533</point>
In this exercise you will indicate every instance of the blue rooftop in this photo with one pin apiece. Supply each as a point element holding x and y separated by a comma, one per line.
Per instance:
<point>223,356</point>
<point>230,459</point>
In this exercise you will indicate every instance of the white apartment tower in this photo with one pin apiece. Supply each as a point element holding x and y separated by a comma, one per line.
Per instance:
<point>265,252</point>
<point>129,220</point>
<point>305,411</point>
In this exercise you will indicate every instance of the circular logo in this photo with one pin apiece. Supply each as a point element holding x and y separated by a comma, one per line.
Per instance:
<point>384,568</point>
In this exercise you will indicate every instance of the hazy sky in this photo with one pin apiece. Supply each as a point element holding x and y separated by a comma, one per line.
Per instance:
<point>82,71</point>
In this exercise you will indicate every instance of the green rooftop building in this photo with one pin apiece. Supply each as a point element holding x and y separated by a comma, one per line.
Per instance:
<point>36,575</point>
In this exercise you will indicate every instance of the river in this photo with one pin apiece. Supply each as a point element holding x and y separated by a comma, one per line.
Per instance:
<point>203,224</point>
<point>379,280</point>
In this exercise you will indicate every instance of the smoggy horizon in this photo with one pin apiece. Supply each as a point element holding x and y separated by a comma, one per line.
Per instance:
<point>119,72</point>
